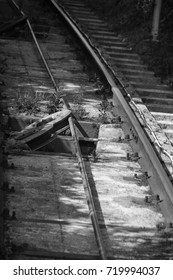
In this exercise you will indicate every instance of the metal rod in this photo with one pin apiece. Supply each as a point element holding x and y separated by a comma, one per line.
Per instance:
<point>40,51</point>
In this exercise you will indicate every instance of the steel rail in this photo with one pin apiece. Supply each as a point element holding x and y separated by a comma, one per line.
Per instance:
<point>156,141</point>
<point>165,182</point>
<point>87,187</point>
<point>90,201</point>
<point>39,49</point>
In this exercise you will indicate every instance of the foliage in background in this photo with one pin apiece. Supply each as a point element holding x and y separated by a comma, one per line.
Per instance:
<point>133,20</point>
<point>145,5</point>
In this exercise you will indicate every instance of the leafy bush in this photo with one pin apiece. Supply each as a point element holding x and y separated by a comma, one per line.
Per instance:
<point>146,6</point>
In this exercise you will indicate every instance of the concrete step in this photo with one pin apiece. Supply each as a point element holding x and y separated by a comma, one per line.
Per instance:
<point>118,54</point>
<point>75,4</point>
<point>111,45</point>
<point>126,67</point>
<point>159,107</point>
<point>152,87</point>
<point>118,49</point>
<point>169,133</point>
<point>155,93</point>
<point>81,11</point>
<point>131,71</point>
<point>89,18</point>
<point>105,38</point>
<point>124,60</point>
<point>134,79</point>
<point>94,26</point>
<point>163,116</point>
<point>166,125</point>
<point>93,20</point>
<point>157,100</point>
<point>149,84</point>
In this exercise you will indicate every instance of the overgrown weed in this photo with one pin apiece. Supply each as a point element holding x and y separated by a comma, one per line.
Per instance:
<point>31,102</point>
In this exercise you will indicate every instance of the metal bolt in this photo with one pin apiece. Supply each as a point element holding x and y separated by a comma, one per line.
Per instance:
<point>171,225</point>
<point>128,156</point>
<point>141,176</point>
<point>146,175</point>
<point>135,157</point>
<point>119,119</point>
<point>127,98</point>
<point>153,198</point>
<point>136,176</point>
<point>135,138</point>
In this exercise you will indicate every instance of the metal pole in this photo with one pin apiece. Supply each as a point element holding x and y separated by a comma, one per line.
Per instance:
<point>156,19</point>
<point>40,51</point>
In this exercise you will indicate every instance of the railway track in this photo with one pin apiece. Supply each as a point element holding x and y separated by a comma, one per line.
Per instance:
<point>128,66</point>
<point>60,201</point>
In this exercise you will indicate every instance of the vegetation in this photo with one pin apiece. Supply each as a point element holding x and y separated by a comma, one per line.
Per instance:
<point>133,20</point>
<point>33,102</point>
